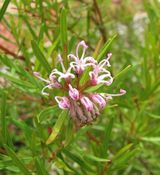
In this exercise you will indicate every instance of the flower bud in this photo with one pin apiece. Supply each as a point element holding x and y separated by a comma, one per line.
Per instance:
<point>73,93</point>
<point>99,100</point>
<point>86,102</point>
<point>63,102</point>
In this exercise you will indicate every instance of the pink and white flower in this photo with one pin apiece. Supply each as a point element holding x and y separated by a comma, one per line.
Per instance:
<point>84,107</point>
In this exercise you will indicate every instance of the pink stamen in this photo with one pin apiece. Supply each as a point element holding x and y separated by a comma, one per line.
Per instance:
<point>38,75</point>
<point>83,44</point>
<point>122,92</point>
<point>61,62</point>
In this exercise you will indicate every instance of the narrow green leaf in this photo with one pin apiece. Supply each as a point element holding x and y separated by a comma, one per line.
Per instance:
<point>63,26</point>
<point>29,133</point>
<point>151,139</point>
<point>98,46</point>
<point>41,10</point>
<point>4,134</point>
<point>69,133</point>
<point>94,88</point>
<point>33,33</point>
<point>41,32</point>
<point>63,34</point>
<point>5,60</point>
<point>155,87</point>
<point>54,45</point>
<point>57,126</point>
<point>17,81</point>
<point>122,161</point>
<point>19,68</point>
<point>122,151</point>
<point>108,134</point>
<point>96,159</point>
<point>3,118</point>
<point>45,112</point>
<point>124,71</point>
<point>78,159</point>
<point>40,167</point>
<point>6,163</point>
<point>39,55</point>
<point>4,8</point>
<point>105,47</point>
<point>17,161</point>
<point>153,115</point>
<point>61,164</point>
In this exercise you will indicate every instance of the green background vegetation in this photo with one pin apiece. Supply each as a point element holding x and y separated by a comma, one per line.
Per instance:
<point>125,139</point>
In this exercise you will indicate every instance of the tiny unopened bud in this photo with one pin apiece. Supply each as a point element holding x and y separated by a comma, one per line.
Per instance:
<point>36,74</point>
<point>99,100</point>
<point>63,102</point>
<point>86,102</point>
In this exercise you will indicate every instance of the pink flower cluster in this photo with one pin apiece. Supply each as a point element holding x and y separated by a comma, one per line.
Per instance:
<point>84,107</point>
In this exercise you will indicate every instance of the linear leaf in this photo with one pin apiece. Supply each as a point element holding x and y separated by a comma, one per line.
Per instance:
<point>78,159</point>
<point>17,81</point>
<point>151,139</point>
<point>4,8</point>
<point>153,115</point>
<point>124,71</point>
<point>63,26</point>
<point>17,161</point>
<point>40,56</point>
<point>105,47</point>
<point>61,164</point>
<point>42,115</point>
<point>40,167</point>
<point>3,118</point>
<point>54,45</point>
<point>57,126</point>
<point>108,134</point>
<point>94,158</point>
<point>122,151</point>
<point>63,34</point>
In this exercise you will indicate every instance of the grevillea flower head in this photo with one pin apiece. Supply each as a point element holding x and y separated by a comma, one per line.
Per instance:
<point>84,107</point>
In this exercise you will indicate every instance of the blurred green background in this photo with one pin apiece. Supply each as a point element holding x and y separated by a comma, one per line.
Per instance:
<point>125,139</point>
